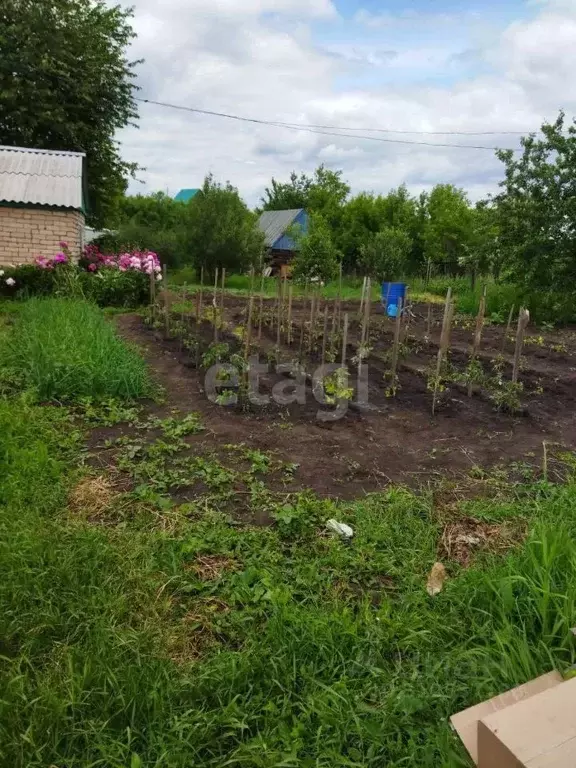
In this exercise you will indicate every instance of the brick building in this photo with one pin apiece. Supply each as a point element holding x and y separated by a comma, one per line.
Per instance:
<point>42,201</point>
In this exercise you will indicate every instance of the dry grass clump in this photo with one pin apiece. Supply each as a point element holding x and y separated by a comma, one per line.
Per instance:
<point>92,497</point>
<point>464,538</point>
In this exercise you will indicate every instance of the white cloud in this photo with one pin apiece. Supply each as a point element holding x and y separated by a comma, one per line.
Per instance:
<point>239,57</point>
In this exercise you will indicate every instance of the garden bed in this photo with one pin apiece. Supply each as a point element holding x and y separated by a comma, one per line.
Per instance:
<point>391,439</point>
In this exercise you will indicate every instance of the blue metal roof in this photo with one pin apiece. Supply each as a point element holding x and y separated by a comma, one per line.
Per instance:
<point>186,194</point>
<point>275,224</point>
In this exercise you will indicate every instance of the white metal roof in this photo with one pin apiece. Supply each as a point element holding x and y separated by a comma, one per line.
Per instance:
<point>275,223</point>
<point>41,176</point>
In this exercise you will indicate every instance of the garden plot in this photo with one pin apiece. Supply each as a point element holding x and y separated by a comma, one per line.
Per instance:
<point>392,436</point>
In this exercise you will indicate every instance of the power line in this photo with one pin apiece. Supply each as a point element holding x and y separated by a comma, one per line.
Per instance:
<point>330,130</point>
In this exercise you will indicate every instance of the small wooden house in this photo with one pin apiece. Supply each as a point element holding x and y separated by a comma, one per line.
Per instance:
<point>280,244</point>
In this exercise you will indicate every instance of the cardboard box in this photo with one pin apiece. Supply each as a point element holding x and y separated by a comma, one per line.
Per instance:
<point>537,732</point>
<point>465,723</point>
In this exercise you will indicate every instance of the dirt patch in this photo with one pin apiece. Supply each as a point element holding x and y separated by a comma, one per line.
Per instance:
<point>394,440</point>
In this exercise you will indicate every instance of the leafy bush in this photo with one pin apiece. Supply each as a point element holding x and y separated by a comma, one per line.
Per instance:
<point>64,349</point>
<point>118,280</point>
<point>112,288</point>
<point>28,281</point>
<point>167,243</point>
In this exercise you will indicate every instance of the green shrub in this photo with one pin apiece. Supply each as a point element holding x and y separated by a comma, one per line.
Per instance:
<point>113,288</point>
<point>64,349</point>
<point>140,237</point>
<point>107,288</point>
<point>29,280</point>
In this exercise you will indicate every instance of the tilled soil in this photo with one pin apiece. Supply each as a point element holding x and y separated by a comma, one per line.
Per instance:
<point>393,440</point>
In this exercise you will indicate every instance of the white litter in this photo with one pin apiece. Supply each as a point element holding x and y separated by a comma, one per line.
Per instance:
<point>340,528</point>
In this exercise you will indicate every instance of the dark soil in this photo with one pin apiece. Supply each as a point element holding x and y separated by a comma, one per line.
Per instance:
<point>394,440</point>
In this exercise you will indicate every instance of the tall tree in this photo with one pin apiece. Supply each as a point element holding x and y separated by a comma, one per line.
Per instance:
<point>385,254</point>
<point>316,257</point>
<point>220,231</point>
<point>449,227</point>
<point>66,83</point>
<point>537,209</point>
<point>366,214</point>
<point>324,193</point>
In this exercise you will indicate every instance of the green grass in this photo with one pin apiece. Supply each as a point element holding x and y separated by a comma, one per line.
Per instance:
<point>298,651</point>
<point>64,349</point>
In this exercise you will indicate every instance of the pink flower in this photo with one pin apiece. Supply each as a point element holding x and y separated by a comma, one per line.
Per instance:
<point>92,267</point>
<point>63,244</point>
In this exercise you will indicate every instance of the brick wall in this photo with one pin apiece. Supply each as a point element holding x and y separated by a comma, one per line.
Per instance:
<point>29,232</point>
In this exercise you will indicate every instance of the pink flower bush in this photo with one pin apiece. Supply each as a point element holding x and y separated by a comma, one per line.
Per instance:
<point>45,263</point>
<point>138,261</point>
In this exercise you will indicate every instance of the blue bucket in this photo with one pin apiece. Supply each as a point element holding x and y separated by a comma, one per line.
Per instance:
<point>391,293</point>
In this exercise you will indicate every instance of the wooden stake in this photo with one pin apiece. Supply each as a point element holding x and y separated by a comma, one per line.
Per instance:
<point>166,301</point>
<point>303,323</point>
<point>523,320</point>
<point>248,339</point>
<point>339,299</point>
<point>508,326</point>
<point>429,321</point>
<point>362,296</point>
<point>182,315</point>
<point>368,310</point>
<point>250,296</point>
<point>387,300</point>
<point>289,332</point>
<point>477,335</point>
<point>444,343</point>
<point>153,293</point>
<point>396,344</point>
<point>323,359</point>
<point>366,313</point>
<point>310,336</point>
<point>222,294</point>
<point>199,297</point>
<point>215,307</point>
<point>344,339</point>
<point>261,308</point>
<point>279,313</point>
<point>406,316</point>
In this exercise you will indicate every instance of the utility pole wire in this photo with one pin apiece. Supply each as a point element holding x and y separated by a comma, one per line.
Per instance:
<point>313,129</point>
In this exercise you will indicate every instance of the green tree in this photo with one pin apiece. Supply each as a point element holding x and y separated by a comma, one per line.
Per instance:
<point>385,254</point>
<point>316,257</point>
<point>449,226</point>
<point>325,193</point>
<point>220,231</point>
<point>149,222</point>
<point>366,214</point>
<point>66,83</point>
<point>537,209</point>
<point>156,210</point>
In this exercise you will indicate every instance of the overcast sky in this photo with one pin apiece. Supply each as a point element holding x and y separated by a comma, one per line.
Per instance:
<point>423,65</point>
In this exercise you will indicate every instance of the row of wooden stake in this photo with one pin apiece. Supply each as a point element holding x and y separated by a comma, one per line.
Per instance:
<point>282,316</point>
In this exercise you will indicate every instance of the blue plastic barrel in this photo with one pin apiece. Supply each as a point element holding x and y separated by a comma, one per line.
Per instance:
<point>391,293</point>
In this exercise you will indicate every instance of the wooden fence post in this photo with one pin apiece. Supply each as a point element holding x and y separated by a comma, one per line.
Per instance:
<point>523,320</point>
<point>477,334</point>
